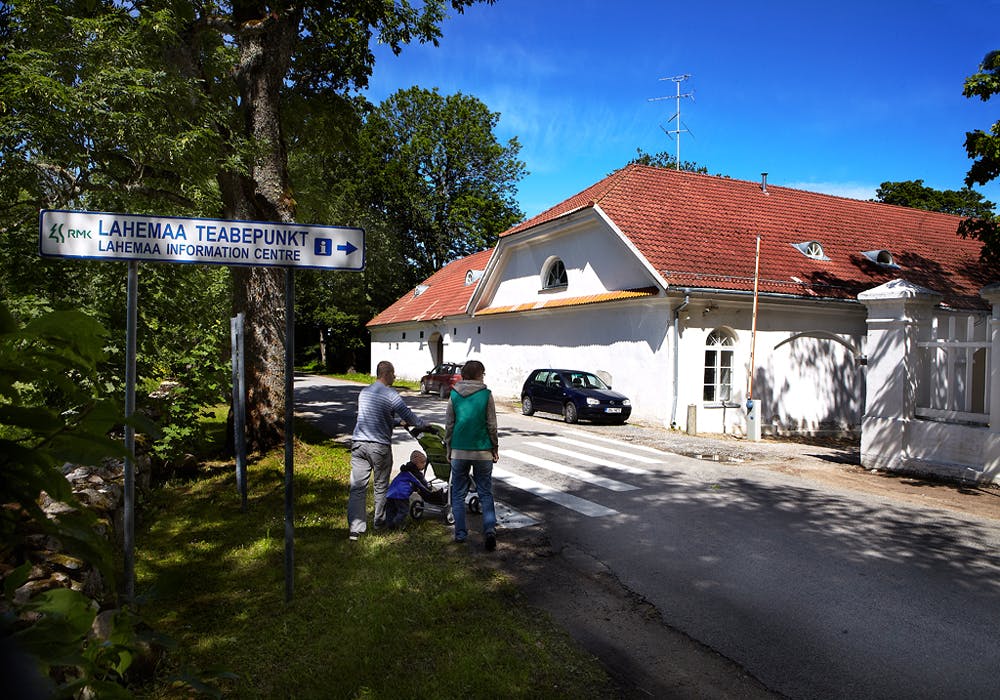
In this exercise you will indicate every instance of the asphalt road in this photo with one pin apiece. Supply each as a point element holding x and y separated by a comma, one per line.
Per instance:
<point>815,592</point>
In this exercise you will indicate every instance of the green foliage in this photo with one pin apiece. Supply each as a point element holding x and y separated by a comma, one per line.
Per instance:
<point>204,379</point>
<point>62,642</point>
<point>50,414</point>
<point>436,171</point>
<point>148,108</point>
<point>424,175</point>
<point>98,106</point>
<point>914,194</point>
<point>665,160</point>
<point>984,149</point>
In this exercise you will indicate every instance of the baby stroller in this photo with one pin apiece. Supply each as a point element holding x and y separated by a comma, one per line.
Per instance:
<point>432,443</point>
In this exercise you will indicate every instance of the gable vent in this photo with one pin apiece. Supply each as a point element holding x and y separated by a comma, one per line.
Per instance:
<point>880,257</point>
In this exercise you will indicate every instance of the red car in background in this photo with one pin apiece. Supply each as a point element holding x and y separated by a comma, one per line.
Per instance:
<point>441,379</point>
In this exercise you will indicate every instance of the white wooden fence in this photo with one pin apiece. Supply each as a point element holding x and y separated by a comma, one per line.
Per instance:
<point>953,369</point>
<point>932,402</point>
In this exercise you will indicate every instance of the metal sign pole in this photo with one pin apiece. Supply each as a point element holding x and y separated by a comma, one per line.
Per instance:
<point>129,473</point>
<point>239,407</point>
<point>289,427</point>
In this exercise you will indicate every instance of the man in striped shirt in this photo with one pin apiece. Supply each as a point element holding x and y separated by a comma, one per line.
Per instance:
<point>380,410</point>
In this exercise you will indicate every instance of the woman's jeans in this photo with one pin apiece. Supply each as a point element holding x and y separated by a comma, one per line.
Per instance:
<point>482,475</point>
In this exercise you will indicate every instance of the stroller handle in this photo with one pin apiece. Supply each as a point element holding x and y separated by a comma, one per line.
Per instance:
<point>418,430</point>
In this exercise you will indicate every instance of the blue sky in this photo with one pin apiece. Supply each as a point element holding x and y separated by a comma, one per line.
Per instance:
<point>832,97</point>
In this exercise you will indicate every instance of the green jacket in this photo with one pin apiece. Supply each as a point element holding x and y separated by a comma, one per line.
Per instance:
<point>471,422</point>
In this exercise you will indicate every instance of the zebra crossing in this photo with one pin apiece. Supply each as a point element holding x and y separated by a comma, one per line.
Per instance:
<point>580,457</point>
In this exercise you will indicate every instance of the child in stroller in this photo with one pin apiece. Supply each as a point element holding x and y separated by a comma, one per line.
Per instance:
<point>432,440</point>
<point>409,480</point>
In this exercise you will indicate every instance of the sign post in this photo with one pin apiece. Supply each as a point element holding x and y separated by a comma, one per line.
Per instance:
<point>128,477</point>
<point>133,238</point>
<point>239,406</point>
<point>289,429</point>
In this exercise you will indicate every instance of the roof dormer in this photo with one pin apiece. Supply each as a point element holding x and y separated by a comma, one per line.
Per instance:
<point>880,257</point>
<point>811,249</point>
<point>473,276</point>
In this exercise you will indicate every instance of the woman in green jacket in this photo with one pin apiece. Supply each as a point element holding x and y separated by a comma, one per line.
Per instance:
<point>471,437</point>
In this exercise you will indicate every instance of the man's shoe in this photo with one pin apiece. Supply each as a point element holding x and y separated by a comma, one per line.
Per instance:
<point>353,537</point>
<point>490,542</point>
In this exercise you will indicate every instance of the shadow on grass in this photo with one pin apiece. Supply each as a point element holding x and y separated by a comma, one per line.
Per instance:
<point>402,614</point>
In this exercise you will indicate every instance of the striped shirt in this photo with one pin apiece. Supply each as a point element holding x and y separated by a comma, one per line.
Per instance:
<point>378,408</point>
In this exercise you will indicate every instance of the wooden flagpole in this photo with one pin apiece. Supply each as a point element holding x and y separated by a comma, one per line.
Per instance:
<point>753,331</point>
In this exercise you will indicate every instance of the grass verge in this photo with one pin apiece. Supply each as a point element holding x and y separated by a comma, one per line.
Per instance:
<point>405,614</point>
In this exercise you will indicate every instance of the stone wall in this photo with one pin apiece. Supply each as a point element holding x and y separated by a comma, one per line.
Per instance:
<point>99,489</point>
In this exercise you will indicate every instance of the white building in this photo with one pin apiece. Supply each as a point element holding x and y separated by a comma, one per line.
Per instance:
<point>650,276</point>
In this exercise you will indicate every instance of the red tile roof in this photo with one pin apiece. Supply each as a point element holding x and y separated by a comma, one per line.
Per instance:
<point>447,294</point>
<point>700,231</point>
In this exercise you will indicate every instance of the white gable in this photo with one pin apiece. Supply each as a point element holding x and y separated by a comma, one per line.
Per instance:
<point>595,256</point>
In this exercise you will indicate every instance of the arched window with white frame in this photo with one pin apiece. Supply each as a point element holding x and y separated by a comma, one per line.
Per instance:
<point>718,385</point>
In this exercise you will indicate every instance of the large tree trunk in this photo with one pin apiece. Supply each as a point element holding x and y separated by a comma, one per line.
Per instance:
<point>265,44</point>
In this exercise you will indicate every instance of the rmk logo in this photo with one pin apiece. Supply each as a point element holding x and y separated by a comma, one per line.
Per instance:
<point>56,233</point>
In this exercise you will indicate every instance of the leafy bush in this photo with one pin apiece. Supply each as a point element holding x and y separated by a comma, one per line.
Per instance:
<point>202,378</point>
<point>51,414</point>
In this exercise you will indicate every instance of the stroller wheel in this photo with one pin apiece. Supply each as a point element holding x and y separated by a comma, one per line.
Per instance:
<point>417,510</point>
<point>450,517</point>
<point>475,506</point>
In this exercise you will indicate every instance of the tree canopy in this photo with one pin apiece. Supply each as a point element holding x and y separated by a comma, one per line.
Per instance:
<point>665,160</point>
<point>984,148</point>
<point>914,194</point>
<point>176,107</point>
<point>435,170</point>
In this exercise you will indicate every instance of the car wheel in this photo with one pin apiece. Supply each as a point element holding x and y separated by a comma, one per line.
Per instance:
<point>443,391</point>
<point>527,408</point>
<point>424,389</point>
<point>570,414</point>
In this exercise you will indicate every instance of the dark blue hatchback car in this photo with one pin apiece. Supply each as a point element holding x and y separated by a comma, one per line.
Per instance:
<point>573,394</point>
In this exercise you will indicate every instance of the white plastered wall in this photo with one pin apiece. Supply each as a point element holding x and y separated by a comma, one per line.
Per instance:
<point>806,385</point>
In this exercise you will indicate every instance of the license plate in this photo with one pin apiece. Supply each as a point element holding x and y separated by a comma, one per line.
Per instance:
<point>612,410</point>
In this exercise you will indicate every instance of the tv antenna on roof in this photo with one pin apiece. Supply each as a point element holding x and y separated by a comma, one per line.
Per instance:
<point>676,131</point>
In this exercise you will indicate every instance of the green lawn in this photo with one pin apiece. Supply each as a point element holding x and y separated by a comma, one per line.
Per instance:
<point>400,615</point>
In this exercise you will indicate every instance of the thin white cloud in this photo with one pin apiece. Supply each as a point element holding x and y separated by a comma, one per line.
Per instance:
<point>851,190</point>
